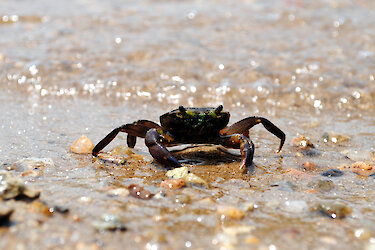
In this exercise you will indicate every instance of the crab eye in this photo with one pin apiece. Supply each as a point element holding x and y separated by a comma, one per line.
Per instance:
<point>219,109</point>
<point>182,109</point>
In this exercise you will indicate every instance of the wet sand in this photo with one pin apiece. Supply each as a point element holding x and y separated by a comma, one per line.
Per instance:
<point>78,67</point>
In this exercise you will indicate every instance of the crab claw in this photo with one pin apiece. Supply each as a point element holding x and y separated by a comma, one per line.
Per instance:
<point>158,151</point>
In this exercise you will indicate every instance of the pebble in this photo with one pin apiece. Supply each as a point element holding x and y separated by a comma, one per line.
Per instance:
<point>248,206</point>
<point>31,173</point>
<point>302,142</point>
<point>230,212</point>
<point>298,174</point>
<point>182,199</point>
<point>194,179</point>
<point>5,213</point>
<point>252,240</point>
<point>235,230</point>
<point>333,173</point>
<point>177,173</point>
<point>322,185</point>
<point>59,209</point>
<point>309,166</point>
<point>12,187</point>
<point>82,145</point>
<point>334,210</point>
<point>39,207</point>
<point>295,206</point>
<point>31,166</point>
<point>139,192</point>
<point>335,138</point>
<point>363,233</point>
<point>108,157</point>
<point>359,155</point>
<point>109,222</point>
<point>120,151</point>
<point>183,173</point>
<point>118,192</point>
<point>159,218</point>
<point>285,185</point>
<point>362,168</point>
<point>173,184</point>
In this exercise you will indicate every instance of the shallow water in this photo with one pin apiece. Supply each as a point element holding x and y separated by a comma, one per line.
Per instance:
<point>85,67</point>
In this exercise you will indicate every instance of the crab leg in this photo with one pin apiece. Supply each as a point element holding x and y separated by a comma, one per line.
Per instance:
<point>243,126</point>
<point>154,142</point>
<point>139,129</point>
<point>134,130</point>
<point>245,145</point>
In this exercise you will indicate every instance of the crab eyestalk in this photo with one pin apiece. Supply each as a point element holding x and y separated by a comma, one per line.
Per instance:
<point>219,109</point>
<point>182,109</point>
<point>216,112</point>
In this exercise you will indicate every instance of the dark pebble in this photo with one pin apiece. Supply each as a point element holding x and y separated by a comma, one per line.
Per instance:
<point>333,173</point>
<point>311,152</point>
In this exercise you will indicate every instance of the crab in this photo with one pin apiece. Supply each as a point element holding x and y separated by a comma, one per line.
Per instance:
<point>193,126</point>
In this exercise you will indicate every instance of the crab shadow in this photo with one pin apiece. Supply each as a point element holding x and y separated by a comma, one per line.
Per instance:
<point>207,155</point>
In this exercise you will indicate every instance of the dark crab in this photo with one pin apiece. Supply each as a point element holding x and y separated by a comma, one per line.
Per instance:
<point>193,126</point>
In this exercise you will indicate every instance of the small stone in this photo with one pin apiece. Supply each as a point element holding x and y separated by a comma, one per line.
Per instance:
<point>333,173</point>
<point>182,199</point>
<point>363,233</point>
<point>335,138</point>
<point>159,218</point>
<point>31,193</point>
<point>323,185</point>
<point>362,168</point>
<point>194,179</point>
<point>230,212</point>
<point>76,218</point>
<point>285,185</point>
<point>31,173</point>
<point>359,155</point>
<point>177,173</point>
<point>309,166</point>
<point>109,222</point>
<point>235,230</point>
<point>183,173</point>
<point>85,199</point>
<point>122,150</point>
<point>87,246</point>
<point>118,192</point>
<point>248,206</point>
<point>82,145</point>
<point>302,142</point>
<point>12,187</point>
<point>173,184</point>
<point>40,207</point>
<point>5,213</point>
<point>298,174</point>
<point>208,201</point>
<point>33,164</point>
<point>59,209</point>
<point>252,240</point>
<point>334,210</point>
<point>108,157</point>
<point>139,192</point>
<point>159,195</point>
<point>295,206</point>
